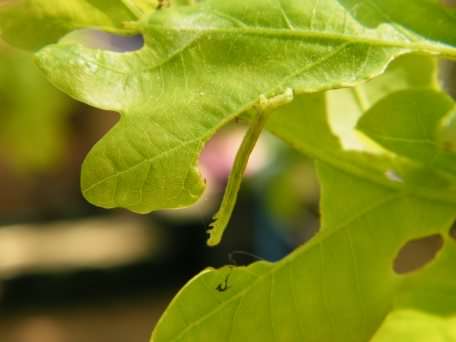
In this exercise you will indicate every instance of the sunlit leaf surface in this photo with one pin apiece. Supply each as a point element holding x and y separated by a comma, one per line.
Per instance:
<point>204,65</point>
<point>382,148</point>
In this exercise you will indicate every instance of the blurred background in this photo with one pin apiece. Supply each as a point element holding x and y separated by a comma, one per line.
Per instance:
<point>71,272</point>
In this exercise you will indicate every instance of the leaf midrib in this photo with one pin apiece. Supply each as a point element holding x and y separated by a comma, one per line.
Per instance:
<point>436,47</point>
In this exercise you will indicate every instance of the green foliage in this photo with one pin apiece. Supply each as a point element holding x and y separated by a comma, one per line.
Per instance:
<point>332,289</point>
<point>32,24</point>
<point>32,115</point>
<point>171,94</point>
<point>383,150</point>
<point>341,284</point>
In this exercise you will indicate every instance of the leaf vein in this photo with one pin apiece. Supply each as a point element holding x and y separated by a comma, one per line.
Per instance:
<point>287,261</point>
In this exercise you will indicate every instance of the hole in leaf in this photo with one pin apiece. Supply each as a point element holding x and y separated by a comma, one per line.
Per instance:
<point>453,232</point>
<point>417,253</point>
<point>96,39</point>
<point>447,77</point>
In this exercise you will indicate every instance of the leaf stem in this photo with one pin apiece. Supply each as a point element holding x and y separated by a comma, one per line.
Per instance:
<point>361,97</point>
<point>263,108</point>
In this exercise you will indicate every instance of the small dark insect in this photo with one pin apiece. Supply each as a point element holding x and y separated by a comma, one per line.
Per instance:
<point>222,287</point>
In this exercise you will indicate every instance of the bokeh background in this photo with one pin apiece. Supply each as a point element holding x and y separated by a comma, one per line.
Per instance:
<point>71,272</point>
